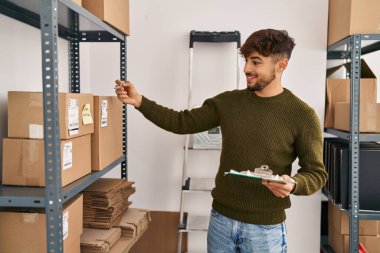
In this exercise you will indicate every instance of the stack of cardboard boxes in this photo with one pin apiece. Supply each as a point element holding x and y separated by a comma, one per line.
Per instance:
<point>369,231</point>
<point>105,201</point>
<point>111,225</point>
<point>338,100</point>
<point>90,139</point>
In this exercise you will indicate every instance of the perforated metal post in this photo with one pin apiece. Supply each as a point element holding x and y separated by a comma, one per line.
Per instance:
<point>53,192</point>
<point>355,44</point>
<point>74,53</point>
<point>123,76</point>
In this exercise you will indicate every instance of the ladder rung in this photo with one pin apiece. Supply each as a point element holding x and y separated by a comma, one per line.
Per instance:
<point>199,184</point>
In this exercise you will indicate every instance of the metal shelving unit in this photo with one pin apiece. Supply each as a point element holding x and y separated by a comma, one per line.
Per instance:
<point>356,46</point>
<point>65,19</point>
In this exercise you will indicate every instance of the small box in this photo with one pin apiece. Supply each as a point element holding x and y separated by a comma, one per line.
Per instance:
<point>338,89</point>
<point>26,232</point>
<point>107,139</point>
<point>211,139</point>
<point>23,160</point>
<point>347,17</point>
<point>339,221</point>
<point>113,12</point>
<point>369,117</point>
<point>25,115</point>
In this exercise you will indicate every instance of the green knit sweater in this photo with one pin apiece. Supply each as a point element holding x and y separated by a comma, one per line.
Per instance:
<point>255,131</point>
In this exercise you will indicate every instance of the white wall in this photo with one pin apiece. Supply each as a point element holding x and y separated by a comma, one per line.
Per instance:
<point>158,65</point>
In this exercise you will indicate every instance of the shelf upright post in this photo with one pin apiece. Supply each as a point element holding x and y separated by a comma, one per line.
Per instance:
<point>354,143</point>
<point>74,52</point>
<point>53,191</point>
<point>123,76</point>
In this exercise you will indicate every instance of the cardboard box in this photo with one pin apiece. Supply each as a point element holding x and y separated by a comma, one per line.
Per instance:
<point>347,17</point>
<point>107,139</point>
<point>26,232</point>
<point>25,115</point>
<point>24,163</point>
<point>339,221</point>
<point>369,117</point>
<point>338,89</point>
<point>113,12</point>
<point>341,243</point>
<point>99,240</point>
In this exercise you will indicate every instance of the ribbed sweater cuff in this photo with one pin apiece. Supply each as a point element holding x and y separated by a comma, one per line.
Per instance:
<point>300,185</point>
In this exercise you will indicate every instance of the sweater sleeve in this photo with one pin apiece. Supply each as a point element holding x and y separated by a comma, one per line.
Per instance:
<point>312,174</point>
<point>181,122</point>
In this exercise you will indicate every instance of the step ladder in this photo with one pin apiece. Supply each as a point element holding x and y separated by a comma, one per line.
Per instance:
<point>202,141</point>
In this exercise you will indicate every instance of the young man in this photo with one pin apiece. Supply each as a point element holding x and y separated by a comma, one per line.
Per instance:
<point>263,124</point>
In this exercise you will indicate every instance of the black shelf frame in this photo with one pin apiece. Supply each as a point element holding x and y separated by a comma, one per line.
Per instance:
<point>352,52</point>
<point>65,19</point>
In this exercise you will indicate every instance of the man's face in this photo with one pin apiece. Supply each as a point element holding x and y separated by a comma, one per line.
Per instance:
<point>260,71</point>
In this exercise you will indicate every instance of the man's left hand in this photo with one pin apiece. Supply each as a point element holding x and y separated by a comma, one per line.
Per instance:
<point>279,189</point>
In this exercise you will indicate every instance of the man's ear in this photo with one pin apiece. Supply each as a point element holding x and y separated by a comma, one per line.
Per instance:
<point>282,64</point>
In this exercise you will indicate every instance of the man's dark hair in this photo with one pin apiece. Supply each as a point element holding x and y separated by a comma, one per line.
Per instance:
<point>269,42</point>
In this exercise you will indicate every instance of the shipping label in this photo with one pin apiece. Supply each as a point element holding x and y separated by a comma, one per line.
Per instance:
<point>104,114</point>
<point>67,155</point>
<point>73,116</point>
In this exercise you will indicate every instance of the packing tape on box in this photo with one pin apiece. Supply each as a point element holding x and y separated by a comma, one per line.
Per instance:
<point>29,217</point>
<point>29,156</point>
<point>36,131</point>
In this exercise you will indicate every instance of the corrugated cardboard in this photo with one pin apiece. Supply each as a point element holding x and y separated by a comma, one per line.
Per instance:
<point>134,221</point>
<point>114,12</point>
<point>347,17</point>
<point>107,139</point>
<point>99,240</point>
<point>338,89</point>
<point>24,161</point>
<point>26,232</point>
<point>25,114</point>
<point>340,243</point>
<point>339,221</point>
<point>369,117</point>
<point>105,201</point>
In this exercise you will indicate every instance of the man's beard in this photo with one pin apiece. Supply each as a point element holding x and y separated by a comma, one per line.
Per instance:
<point>262,82</point>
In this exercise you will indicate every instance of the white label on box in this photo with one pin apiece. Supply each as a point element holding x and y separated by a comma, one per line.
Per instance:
<point>36,131</point>
<point>73,116</point>
<point>67,155</point>
<point>86,115</point>
<point>65,225</point>
<point>104,115</point>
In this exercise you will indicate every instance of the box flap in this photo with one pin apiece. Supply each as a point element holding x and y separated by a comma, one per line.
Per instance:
<point>366,71</point>
<point>100,238</point>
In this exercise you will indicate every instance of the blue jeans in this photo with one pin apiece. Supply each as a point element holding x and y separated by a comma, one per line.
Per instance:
<point>230,236</point>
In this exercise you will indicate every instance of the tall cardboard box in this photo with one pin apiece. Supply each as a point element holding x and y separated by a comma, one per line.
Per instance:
<point>347,17</point>
<point>113,12</point>
<point>25,115</point>
<point>107,139</point>
<point>338,89</point>
<point>369,115</point>
<point>26,232</point>
<point>24,160</point>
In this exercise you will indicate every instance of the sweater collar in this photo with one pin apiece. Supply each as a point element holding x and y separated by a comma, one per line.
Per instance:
<point>279,97</point>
